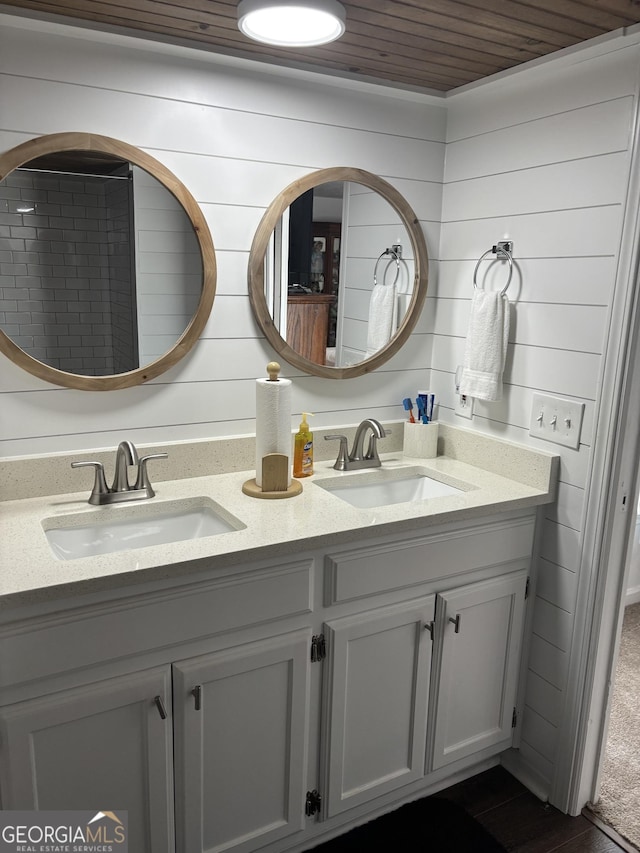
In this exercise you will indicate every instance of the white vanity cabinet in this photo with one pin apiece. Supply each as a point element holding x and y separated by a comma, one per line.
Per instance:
<point>442,669</point>
<point>428,681</point>
<point>101,746</point>
<point>238,734</point>
<point>478,637</point>
<point>196,704</point>
<point>211,676</point>
<point>379,665</point>
<point>240,744</point>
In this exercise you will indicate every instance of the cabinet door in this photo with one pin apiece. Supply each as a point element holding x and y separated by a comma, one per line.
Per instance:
<point>379,667</point>
<point>479,635</point>
<point>100,747</point>
<point>241,732</point>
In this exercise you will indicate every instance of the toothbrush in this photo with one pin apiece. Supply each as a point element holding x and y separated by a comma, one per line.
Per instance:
<point>408,407</point>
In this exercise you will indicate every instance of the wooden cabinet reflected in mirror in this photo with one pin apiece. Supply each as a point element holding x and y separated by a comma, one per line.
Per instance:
<point>112,273</point>
<point>315,259</point>
<point>308,317</point>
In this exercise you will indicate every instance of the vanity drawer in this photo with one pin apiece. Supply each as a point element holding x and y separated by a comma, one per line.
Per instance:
<point>87,636</point>
<point>411,561</point>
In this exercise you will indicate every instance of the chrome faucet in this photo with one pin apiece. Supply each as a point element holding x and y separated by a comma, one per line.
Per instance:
<point>121,490</point>
<point>358,458</point>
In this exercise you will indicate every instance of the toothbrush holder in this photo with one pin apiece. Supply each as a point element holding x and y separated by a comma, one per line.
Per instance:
<point>421,440</point>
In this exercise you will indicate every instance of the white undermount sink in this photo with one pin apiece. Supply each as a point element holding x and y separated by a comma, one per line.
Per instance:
<point>126,527</point>
<point>384,487</point>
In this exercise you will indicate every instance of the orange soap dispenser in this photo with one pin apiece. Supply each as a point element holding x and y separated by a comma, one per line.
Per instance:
<point>303,449</point>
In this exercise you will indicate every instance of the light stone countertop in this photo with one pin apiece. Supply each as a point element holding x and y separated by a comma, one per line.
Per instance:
<point>30,573</point>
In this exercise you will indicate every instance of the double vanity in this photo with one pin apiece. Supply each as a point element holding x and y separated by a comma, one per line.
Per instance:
<point>243,674</point>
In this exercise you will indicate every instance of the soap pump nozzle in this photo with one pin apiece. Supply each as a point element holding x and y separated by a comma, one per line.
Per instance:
<point>304,426</point>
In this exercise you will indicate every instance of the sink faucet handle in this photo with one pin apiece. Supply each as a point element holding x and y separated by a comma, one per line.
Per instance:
<point>142,480</point>
<point>100,487</point>
<point>343,453</point>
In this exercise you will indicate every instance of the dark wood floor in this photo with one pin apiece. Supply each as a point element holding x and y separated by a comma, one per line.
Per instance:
<point>521,822</point>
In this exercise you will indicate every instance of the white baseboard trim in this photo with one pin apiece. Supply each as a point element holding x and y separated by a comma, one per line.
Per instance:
<point>632,596</point>
<point>512,761</point>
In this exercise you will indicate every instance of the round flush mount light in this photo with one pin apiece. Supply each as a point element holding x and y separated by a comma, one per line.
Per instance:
<point>292,23</point>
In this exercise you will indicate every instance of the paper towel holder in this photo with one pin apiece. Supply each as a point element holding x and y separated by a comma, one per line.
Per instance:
<point>275,467</point>
<point>275,474</point>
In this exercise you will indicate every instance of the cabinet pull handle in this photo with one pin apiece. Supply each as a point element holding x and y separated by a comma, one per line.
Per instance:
<point>429,627</point>
<point>197,693</point>
<point>160,706</point>
<point>456,622</point>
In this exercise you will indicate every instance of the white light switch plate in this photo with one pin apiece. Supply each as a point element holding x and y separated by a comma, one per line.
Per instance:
<point>557,420</point>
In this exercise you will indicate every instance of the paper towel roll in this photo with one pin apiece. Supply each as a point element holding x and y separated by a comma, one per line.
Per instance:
<point>273,421</point>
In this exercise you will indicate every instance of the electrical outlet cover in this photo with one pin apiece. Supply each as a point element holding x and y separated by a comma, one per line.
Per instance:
<point>464,406</point>
<point>557,420</point>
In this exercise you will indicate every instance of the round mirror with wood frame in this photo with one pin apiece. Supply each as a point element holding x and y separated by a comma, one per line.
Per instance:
<point>61,147</point>
<point>260,260</point>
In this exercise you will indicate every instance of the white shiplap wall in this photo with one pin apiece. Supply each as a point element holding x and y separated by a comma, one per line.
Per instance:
<point>236,135</point>
<point>168,267</point>
<point>374,226</point>
<point>542,158</point>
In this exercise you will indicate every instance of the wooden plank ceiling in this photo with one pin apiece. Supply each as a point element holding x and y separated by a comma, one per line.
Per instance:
<point>426,44</point>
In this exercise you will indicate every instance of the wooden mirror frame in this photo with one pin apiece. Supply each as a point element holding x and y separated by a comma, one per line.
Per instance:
<point>56,142</point>
<point>261,243</point>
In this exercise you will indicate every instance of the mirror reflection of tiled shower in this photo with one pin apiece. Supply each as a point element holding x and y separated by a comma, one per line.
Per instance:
<point>100,273</point>
<point>68,280</point>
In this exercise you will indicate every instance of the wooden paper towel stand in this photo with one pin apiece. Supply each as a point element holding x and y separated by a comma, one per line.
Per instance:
<point>275,467</point>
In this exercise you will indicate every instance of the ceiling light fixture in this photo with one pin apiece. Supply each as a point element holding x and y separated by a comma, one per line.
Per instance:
<point>292,23</point>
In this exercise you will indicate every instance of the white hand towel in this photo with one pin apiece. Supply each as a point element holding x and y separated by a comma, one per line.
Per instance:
<point>486,346</point>
<point>383,311</point>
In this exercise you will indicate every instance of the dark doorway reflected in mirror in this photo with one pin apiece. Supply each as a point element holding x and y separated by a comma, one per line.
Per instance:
<point>315,228</point>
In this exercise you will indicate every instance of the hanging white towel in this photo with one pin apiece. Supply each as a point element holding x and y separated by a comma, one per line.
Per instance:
<point>383,312</point>
<point>486,346</point>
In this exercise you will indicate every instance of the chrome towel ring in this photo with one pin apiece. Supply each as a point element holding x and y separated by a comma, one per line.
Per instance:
<point>395,254</point>
<point>503,248</point>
